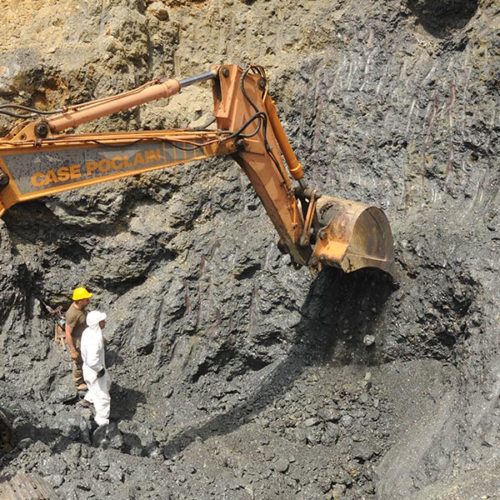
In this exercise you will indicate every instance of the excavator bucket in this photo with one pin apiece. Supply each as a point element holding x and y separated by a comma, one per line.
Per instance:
<point>353,236</point>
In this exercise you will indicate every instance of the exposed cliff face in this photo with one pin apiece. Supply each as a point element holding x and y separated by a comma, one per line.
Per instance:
<point>236,375</point>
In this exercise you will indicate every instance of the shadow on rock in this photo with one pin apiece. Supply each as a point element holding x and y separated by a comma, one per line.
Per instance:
<point>441,17</point>
<point>339,315</point>
<point>70,429</point>
<point>113,358</point>
<point>124,402</point>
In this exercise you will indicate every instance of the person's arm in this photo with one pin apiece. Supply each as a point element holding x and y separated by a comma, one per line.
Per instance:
<point>69,340</point>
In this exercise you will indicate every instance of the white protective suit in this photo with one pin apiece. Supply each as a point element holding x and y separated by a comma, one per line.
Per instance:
<point>92,349</point>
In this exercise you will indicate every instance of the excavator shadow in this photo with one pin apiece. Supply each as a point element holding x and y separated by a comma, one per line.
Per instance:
<point>124,402</point>
<point>26,434</point>
<point>340,313</point>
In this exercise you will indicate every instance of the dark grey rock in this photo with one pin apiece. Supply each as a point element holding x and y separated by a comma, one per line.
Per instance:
<point>282,465</point>
<point>55,480</point>
<point>310,422</point>
<point>368,340</point>
<point>329,415</point>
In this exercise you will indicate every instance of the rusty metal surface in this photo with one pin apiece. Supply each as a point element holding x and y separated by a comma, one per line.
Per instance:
<point>354,236</point>
<point>26,487</point>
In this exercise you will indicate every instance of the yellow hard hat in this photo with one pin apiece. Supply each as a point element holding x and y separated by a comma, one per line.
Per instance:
<point>81,293</point>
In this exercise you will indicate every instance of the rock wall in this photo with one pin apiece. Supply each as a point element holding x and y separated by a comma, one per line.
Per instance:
<point>235,375</point>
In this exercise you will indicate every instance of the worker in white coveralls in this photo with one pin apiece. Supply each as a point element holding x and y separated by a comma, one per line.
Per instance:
<point>94,367</point>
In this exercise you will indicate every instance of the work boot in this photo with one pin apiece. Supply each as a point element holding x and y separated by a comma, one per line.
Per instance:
<point>81,387</point>
<point>100,436</point>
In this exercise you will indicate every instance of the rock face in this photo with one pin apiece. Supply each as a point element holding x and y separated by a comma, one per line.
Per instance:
<point>236,376</point>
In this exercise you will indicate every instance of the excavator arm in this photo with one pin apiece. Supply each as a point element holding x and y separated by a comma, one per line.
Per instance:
<point>38,159</point>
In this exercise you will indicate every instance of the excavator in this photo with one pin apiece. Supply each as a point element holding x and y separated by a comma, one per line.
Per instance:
<point>42,156</point>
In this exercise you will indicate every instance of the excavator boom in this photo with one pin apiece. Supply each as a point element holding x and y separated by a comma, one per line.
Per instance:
<point>72,162</point>
<point>38,159</point>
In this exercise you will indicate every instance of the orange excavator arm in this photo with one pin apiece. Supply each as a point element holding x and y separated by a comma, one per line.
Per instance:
<point>37,159</point>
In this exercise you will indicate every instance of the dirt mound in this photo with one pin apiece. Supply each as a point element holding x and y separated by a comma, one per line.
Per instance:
<point>235,375</point>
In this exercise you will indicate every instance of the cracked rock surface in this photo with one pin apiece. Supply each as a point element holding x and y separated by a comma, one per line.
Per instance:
<point>236,376</point>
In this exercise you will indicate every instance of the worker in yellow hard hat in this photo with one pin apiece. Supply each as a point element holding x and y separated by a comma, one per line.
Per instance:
<point>75,324</point>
